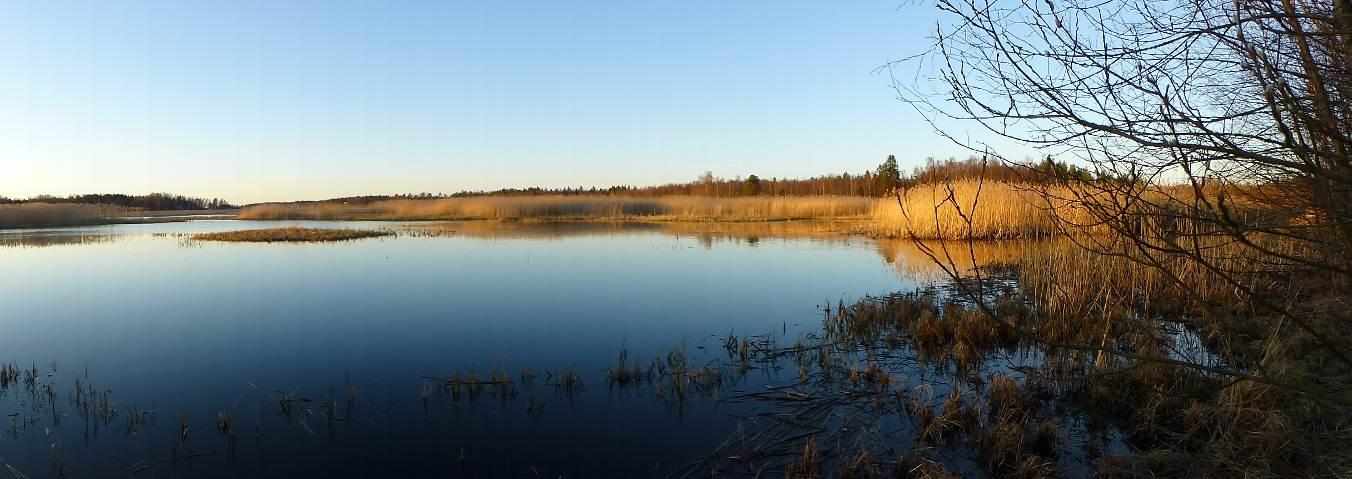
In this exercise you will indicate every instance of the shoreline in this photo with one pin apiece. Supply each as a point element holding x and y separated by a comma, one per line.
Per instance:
<point>125,218</point>
<point>845,225</point>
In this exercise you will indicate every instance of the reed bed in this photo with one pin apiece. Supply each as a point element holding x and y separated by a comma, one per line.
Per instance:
<point>563,229</point>
<point>1046,309</point>
<point>1074,278</point>
<point>996,210</point>
<point>290,234</point>
<point>824,421</point>
<point>672,208</point>
<point>43,215</point>
<point>934,211</point>
<point>1002,211</point>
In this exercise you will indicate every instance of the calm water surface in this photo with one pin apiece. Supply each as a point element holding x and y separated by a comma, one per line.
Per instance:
<point>179,327</point>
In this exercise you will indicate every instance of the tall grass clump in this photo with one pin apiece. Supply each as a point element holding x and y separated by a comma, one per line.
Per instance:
<point>290,234</point>
<point>1075,279</point>
<point>691,208</point>
<point>39,215</point>
<point>964,209</point>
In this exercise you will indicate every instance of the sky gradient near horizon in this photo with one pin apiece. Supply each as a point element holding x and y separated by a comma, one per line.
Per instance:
<point>267,101</point>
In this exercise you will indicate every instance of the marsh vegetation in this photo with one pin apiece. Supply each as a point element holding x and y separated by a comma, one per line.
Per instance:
<point>1212,203</point>
<point>290,234</point>
<point>669,208</point>
<point>40,215</point>
<point>49,215</point>
<point>1009,210</point>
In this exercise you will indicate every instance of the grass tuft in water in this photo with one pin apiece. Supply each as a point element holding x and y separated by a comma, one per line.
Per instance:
<point>290,234</point>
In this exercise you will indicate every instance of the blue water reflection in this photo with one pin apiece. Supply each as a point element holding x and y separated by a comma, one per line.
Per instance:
<point>178,326</point>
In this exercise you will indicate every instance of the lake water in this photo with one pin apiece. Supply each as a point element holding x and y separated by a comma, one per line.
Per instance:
<point>319,355</point>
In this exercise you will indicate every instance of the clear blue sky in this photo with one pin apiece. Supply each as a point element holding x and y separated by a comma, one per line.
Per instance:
<point>256,101</point>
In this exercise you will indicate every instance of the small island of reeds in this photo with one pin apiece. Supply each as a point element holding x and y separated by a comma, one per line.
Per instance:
<point>290,234</point>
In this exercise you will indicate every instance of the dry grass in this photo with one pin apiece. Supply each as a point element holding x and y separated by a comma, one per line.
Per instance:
<point>290,234</point>
<point>1191,424</point>
<point>970,209</point>
<point>1077,279</point>
<point>544,229</point>
<point>999,211</point>
<point>1004,210</point>
<point>1173,305</point>
<point>672,208</point>
<point>41,215</point>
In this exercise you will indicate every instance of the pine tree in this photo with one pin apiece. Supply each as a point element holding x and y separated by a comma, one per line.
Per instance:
<point>888,177</point>
<point>752,186</point>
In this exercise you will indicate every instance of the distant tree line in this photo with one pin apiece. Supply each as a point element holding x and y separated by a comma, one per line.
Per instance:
<point>153,201</point>
<point>876,183</point>
<point>1027,171</point>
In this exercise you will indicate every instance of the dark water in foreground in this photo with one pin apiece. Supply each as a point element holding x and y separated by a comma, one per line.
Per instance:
<point>317,355</point>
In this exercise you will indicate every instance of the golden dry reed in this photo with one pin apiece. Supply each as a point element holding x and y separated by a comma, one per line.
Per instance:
<point>693,208</point>
<point>956,211</point>
<point>1075,279</point>
<point>827,229</point>
<point>932,211</point>
<point>37,215</point>
<point>1003,210</point>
